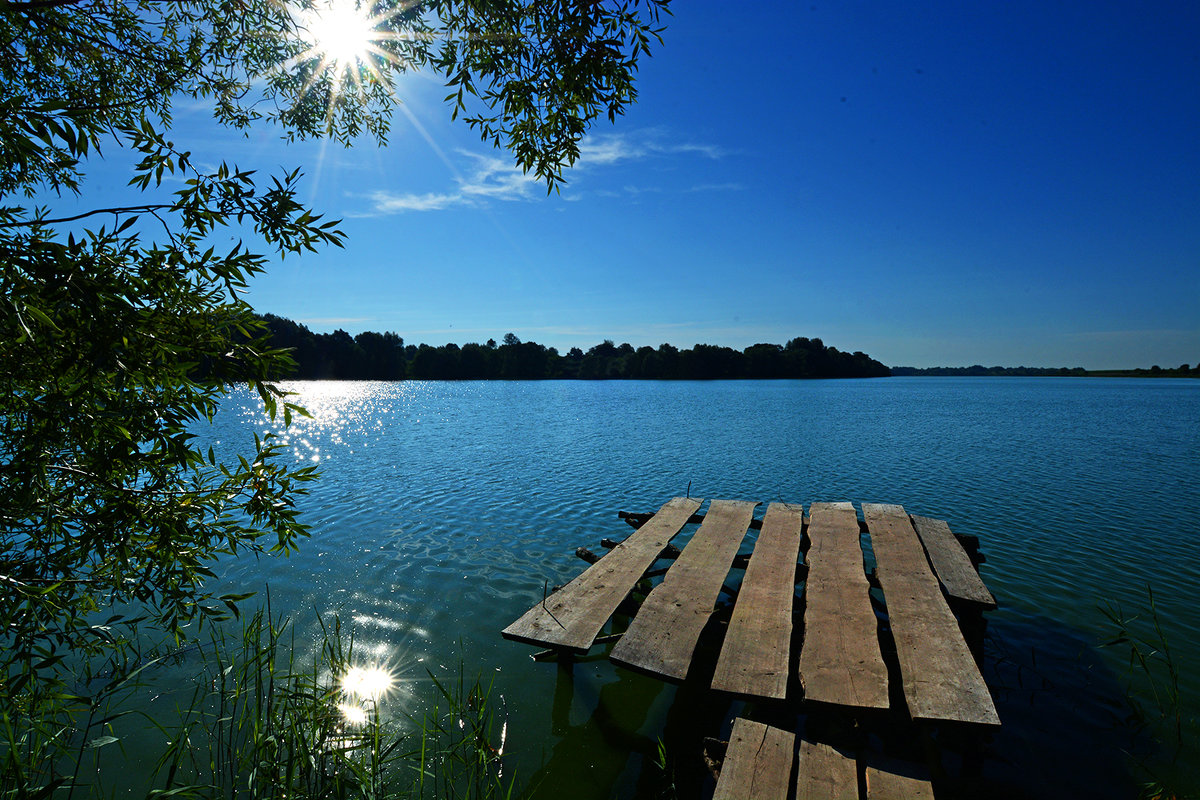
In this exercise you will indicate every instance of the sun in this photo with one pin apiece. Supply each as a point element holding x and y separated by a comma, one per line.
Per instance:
<point>342,34</point>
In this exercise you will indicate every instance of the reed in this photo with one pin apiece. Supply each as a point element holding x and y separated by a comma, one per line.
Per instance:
<point>254,721</point>
<point>1152,691</point>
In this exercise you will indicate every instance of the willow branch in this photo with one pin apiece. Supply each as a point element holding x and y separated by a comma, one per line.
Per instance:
<point>148,209</point>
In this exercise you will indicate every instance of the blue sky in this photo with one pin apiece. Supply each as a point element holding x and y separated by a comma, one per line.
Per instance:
<point>932,183</point>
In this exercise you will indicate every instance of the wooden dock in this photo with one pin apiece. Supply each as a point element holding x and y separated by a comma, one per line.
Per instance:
<point>803,571</point>
<point>840,660</point>
<point>572,617</point>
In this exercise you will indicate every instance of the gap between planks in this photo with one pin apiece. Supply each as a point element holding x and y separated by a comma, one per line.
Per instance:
<point>662,638</point>
<point>757,648</point>
<point>939,676</point>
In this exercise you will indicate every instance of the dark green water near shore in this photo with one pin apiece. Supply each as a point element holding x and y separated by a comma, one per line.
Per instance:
<point>444,507</point>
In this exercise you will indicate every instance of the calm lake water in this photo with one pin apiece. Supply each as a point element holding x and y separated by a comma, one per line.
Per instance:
<point>444,507</point>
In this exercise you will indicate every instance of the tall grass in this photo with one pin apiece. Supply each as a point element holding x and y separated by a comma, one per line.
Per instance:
<point>461,749</point>
<point>256,723</point>
<point>1152,691</point>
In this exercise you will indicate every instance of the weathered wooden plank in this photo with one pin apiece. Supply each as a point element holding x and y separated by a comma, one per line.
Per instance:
<point>939,674</point>
<point>754,656</point>
<point>758,763</point>
<point>571,617</point>
<point>840,660</point>
<point>663,635</point>
<point>951,562</point>
<point>823,773</point>
<point>884,785</point>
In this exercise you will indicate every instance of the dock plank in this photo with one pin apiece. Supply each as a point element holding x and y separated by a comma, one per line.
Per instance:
<point>939,675</point>
<point>754,657</point>
<point>884,785</point>
<point>823,773</point>
<point>573,616</point>
<point>663,635</point>
<point>758,763</point>
<point>951,562</point>
<point>840,660</point>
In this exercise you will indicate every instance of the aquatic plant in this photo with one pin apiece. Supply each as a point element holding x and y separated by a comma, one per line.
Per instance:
<point>1152,691</point>
<point>256,722</point>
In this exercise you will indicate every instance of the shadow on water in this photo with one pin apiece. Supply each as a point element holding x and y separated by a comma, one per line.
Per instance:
<point>1066,729</point>
<point>616,752</point>
<point>608,749</point>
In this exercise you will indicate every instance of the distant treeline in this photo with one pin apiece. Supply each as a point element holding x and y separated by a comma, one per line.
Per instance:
<point>385,356</point>
<point>979,369</point>
<point>1182,371</point>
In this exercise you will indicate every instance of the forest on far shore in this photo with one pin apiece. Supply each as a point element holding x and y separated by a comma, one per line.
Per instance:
<point>386,356</point>
<point>978,370</point>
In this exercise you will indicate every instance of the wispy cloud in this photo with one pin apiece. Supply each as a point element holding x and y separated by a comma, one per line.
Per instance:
<point>391,203</point>
<point>614,148</point>
<point>628,190</point>
<point>489,178</point>
<point>608,150</point>
<point>717,187</point>
<point>496,178</point>
<point>334,320</point>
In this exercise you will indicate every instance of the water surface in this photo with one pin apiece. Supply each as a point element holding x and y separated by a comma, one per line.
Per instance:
<point>445,507</point>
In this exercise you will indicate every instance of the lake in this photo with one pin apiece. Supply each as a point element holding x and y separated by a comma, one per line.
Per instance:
<point>445,506</point>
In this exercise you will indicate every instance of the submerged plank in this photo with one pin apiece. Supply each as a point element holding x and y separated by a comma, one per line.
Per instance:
<point>884,785</point>
<point>940,677</point>
<point>840,660</point>
<point>571,617</point>
<point>754,657</point>
<point>758,763</point>
<point>951,562</point>
<point>663,635</point>
<point>823,773</point>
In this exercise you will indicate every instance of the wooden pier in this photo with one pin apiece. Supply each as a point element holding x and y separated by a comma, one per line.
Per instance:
<point>927,592</point>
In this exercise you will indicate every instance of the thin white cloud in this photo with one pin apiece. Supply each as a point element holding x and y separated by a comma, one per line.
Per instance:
<point>493,178</point>
<point>496,178</point>
<point>390,203</point>
<point>706,150</point>
<point>610,149</point>
<point>717,187</point>
<point>335,320</point>
<point>489,179</point>
<point>613,148</point>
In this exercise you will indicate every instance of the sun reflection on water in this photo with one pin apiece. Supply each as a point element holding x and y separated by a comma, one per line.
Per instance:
<point>353,715</point>
<point>364,688</point>
<point>368,683</point>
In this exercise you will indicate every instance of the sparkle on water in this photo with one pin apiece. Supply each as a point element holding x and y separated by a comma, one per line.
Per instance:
<point>364,687</point>
<point>367,683</point>
<point>444,506</point>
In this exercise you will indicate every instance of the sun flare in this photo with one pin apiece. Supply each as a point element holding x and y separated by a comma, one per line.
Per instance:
<point>363,688</point>
<point>367,683</point>
<point>341,33</point>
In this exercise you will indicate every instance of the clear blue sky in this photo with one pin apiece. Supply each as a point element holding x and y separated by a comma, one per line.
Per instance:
<point>932,183</point>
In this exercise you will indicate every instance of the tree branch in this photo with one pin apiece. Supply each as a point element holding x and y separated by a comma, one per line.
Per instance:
<point>37,5</point>
<point>148,209</point>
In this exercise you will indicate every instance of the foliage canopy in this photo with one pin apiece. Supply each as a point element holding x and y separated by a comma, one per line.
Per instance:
<point>123,327</point>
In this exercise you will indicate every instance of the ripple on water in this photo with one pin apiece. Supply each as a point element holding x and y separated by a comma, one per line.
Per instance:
<point>445,508</point>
